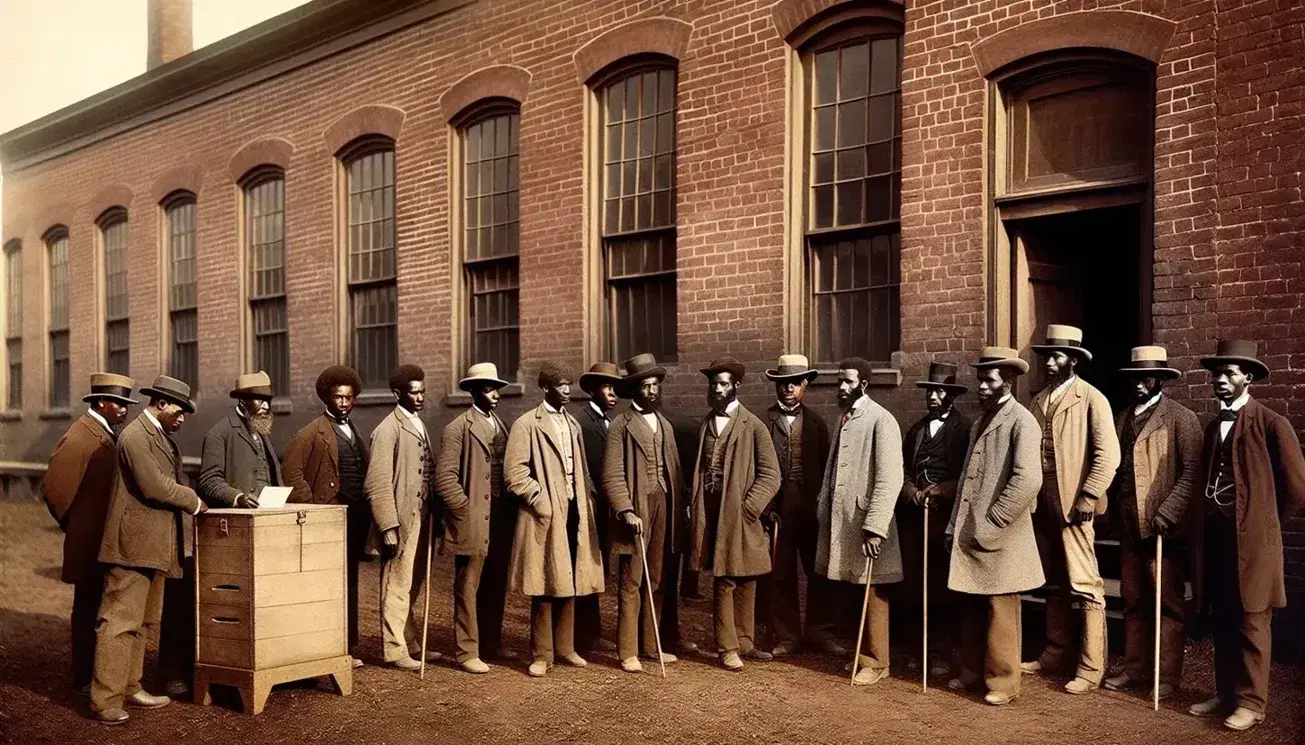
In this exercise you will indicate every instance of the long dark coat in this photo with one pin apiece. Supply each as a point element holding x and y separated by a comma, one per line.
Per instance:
<point>594,434</point>
<point>312,462</point>
<point>627,485</point>
<point>815,451</point>
<point>77,488</point>
<point>955,432</point>
<point>228,462</point>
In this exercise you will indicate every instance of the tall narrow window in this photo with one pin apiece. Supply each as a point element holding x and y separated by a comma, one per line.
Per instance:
<point>638,219</point>
<point>265,246</point>
<point>489,258</point>
<point>373,290</point>
<point>56,243</point>
<point>117,323</point>
<point>183,294</point>
<point>14,323</point>
<point>853,210</point>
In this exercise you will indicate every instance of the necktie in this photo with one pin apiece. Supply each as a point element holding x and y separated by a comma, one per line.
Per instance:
<point>1228,415</point>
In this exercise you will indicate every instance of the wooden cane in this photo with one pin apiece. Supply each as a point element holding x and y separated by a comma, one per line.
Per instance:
<point>860,629</point>
<point>425,618</point>
<point>647,582</point>
<point>1155,680</point>
<point>924,651</point>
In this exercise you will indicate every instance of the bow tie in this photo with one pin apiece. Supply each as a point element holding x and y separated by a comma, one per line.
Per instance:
<point>342,421</point>
<point>1228,415</point>
<point>936,417</point>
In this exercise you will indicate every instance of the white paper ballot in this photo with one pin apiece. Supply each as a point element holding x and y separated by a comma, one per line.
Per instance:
<point>273,497</point>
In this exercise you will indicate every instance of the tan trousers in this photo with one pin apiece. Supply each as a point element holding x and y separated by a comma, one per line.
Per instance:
<point>552,628</point>
<point>402,577</point>
<point>733,610</point>
<point>129,614</point>
<point>990,641</point>
<point>466,625</point>
<point>1069,561</point>
<point>634,620</point>
<point>874,635</point>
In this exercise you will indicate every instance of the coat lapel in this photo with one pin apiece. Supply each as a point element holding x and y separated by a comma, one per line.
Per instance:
<point>1159,418</point>
<point>996,421</point>
<point>481,429</point>
<point>234,422</point>
<point>546,426</point>
<point>641,432</point>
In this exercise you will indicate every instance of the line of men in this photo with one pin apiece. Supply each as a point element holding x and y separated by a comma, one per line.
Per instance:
<point>535,508</point>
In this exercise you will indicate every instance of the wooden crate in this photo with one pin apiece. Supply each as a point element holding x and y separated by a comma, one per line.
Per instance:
<point>270,600</point>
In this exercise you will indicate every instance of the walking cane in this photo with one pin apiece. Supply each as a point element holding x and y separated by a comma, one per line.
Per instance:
<point>860,629</point>
<point>1155,679</point>
<point>924,651</point>
<point>647,582</point>
<point>425,618</point>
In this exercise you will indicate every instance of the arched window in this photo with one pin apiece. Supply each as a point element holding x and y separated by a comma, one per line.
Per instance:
<point>371,275</point>
<point>117,313</point>
<point>56,246</point>
<point>14,323</point>
<point>183,287</point>
<point>264,194</point>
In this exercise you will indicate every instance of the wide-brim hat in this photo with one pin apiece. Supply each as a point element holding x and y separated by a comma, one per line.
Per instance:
<point>173,390</point>
<point>253,385</point>
<point>112,386</point>
<point>725,364</point>
<point>942,375</point>
<point>1003,357</point>
<point>790,367</point>
<point>1150,361</point>
<point>483,372</point>
<point>1238,352</point>
<point>637,368</point>
<point>1062,338</point>
<point>600,374</point>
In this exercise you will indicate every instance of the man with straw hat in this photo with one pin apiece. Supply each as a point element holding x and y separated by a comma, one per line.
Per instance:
<point>238,457</point>
<point>1254,483</point>
<point>1160,445</point>
<point>1080,454</point>
<point>801,441</point>
<point>933,452</point>
<point>479,515</point>
<point>595,421</point>
<point>994,554</point>
<point>77,487</point>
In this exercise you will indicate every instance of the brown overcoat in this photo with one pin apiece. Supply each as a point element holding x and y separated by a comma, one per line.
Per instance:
<point>312,462</point>
<point>533,470</point>
<point>1166,461</point>
<point>77,488</point>
<point>146,520</point>
<point>627,485</point>
<point>463,478</point>
<point>1087,448</point>
<point>751,480</point>
<point>1270,473</point>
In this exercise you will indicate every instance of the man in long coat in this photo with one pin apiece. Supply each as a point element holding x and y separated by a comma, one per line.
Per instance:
<point>1254,483</point>
<point>858,498</point>
<point>994,553</point>
<point>326,463</point>
<point>555,553</point>
<point>736,475</point>
<point>595,420</point>
<point>1080,454</point>
<point>479,516</point>
<point>1160,444</point>
<point>643,485</point>
<point>400,488</point>
<point>142,546</point>
<point>77,487</point>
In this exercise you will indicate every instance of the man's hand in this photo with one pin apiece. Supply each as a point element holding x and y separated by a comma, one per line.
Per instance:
<point>246,502</point>
<point>871,544</point>
<point>929,495</point>
<point>390,542</point>
<point>1160,526</point>
<point>1085,509</point>
<point>203,507</point>
<point>633,520</point>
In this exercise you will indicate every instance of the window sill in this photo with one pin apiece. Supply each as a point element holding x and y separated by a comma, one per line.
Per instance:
<point>463,399</point>
<point>880,377</point>
<point>62,412</point>
<point>282,406</point>
<point>11,415</point>
<point>374,398</point>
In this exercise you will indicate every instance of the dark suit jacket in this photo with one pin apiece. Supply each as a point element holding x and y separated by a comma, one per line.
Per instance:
<point>815,451</point>
<point>594,435</point>
<point>312,462</point>
<point>956,434</point>
<point>77,488</point>
<point>228,462</point>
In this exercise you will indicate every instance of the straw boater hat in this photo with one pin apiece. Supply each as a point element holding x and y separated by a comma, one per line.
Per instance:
<point>171,389</point>
<point>481,372</point>
<point>602,373</point>
<point>1237,352</point>
<point>1003,357</point>
<point>792,367</point>
<point>942,375</point>
<point>725,364</point>
<point>253,385</point>
<point>1067,339</point>
<point>1150,361</point>
<point>113,387</point>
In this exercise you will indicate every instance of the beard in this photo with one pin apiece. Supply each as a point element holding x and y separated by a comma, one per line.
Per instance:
<point>718,403</point>
<point>650,405</point>
<point>261,423</point>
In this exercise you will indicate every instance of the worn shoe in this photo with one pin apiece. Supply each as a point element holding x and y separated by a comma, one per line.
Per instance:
<point>143,700</point>
<point>939,667</point>
<point>667,657</point>
<point>831,646</point>
<point>688,648</point>
<point>865,662</point>
<point>604,645</point>
<point>731,661</point>
<point>1243,719</point>
<point>1080,685</point>
<point>357,663</point>
<point>958,684</point>
<point>783,649</point>
<point>996,698</point>
<point>1166,690</point>
<point>1032,667</point>
<point>1214,707</point>
<point>574,660</point>
<point>406,663</point>
<point>177,688</point>
<point>758,655</point>
<point>538,669</point>
<point>1121,682</point>
<point>868,676</point>
<point>84,691</point>
<point>433,656</point>
<point>631,665</point>
<point>506,655</point>
<point>475,666</point>
<point>112,716</point>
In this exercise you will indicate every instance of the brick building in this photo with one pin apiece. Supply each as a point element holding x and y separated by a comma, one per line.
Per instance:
<point>390,180</point>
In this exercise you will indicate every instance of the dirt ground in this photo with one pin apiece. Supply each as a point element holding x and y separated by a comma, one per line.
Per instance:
<point>805,700</point>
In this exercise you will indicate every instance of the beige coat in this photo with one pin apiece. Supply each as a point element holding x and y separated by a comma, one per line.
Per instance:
<point>395,482</point>
<point>863,479</point>
<point>627,484</point>
<point>533,470</point>
<point>1087,448</point>
<point>1166,463</point>
<point>994,551</point>
<point>751,480</point>
<point>463,477</point>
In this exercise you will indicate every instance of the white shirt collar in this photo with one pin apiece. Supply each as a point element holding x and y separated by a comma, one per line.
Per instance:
<point>1003,399</point>
<point>482,412</point>
<point>103,422</point>
<point>1142,407</point>
<point>416,418</point>
<point>150,415</point>
<point>729,409</point>
<point>550,408</point>
<point>1063,386</point>
<point>862,400</point>
<point>786,411</point>
<point>1238,403</point>
<point>598,409</point>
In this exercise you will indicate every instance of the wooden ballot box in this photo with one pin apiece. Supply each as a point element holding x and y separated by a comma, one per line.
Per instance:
<point>270,600</point>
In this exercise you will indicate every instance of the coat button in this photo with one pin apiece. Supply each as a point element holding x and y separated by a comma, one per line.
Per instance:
<point>487,477</point>
<point>331,483</point>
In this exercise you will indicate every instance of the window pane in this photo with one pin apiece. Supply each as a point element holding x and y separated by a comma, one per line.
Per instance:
<point>14,289</point>
<point>641,294</point>
<point>371,217</point>
<point>494,314</point>
<point>854,296</point>
<point>14,354</point>
<point>639,153</point>
<point>60,379</point>
<point>271,342</point>
<point>884,68</point>
<point>493,203</point>
<point>374,322</point>
<point>184,359</point>
<point>183,289</point>
<point>853,71</point>
<point>58,248</point>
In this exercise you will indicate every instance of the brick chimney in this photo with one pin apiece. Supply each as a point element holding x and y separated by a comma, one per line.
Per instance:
<point>169,31</point>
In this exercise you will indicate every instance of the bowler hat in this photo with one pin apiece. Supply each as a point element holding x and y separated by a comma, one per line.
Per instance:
<point>111,386</point>
<point>1062,338</point>
<point>1238,352</point>
<point>602,373</point>
<point>482,372</point>
<point>942,375</point>
<point>171,389</point>
<point>792,367</point>
<point>253,385</point>
<point>1002,357</point>
<point>725,364</point>
<point>1150,361</point>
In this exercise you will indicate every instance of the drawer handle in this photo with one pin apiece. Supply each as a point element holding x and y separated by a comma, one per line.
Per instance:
<point>225,619</point>
<point>227,588</point>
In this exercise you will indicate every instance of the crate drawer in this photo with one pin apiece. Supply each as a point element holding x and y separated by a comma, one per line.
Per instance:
<point>225,622</point>
<point>225,589</point>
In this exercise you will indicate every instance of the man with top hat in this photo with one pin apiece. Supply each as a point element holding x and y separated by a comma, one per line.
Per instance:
<point>933,452</point>
<point>801,440</point>
<point>400,487</point>
<point>1254,481</point>
<point>142,547</point>
<point>479,516</point>
<point>858,498</point>
<point>993,550</point>
<point>325,463</point>
<point>642,482</point>
<point>595,421</point>
<point>1080,454</point>
<point>1160,445</point>
<point>77,488</point>
<point>736,475</point>
<point>555,553</point>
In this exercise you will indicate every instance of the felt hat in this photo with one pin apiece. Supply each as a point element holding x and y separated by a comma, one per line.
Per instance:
<point>601,373</point>
<point>637,368</point>
<point>253,385</point>
<point>1148,361</point>
<point>942,375</point>
<point>1003,357</point>
<point>111,386</point>
<point>1062,338</point>
<point>792,367</point>
<point>171,389</point>
<point>483,372</point>
<point>1238,352</point>
<point>725,364</point>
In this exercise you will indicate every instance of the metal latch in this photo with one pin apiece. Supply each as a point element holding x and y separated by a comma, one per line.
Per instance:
<point>223,528</point>
<point>301,517</point>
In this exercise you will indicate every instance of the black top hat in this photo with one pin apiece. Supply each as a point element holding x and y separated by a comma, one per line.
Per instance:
<point>171,389</point>
<point>602,373</point>
<point>725,364</point>
<point>942,375</point>
<point>1062,338</point>
<point>1237,352</point>
<point>111,386</point>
